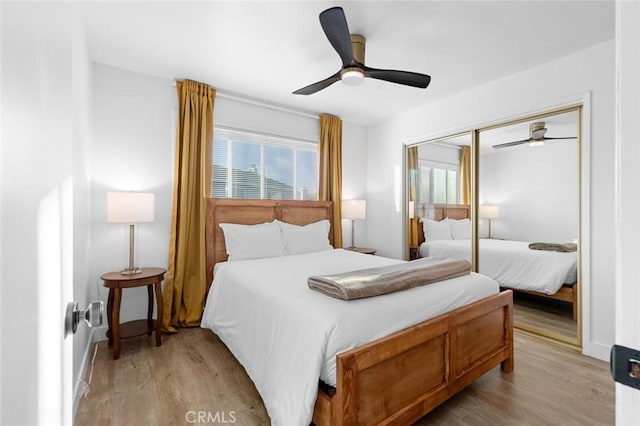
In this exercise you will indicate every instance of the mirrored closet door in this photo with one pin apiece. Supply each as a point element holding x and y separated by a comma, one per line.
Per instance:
<point>439,197</point>
<point>506,197</point>
<point>529,218</point>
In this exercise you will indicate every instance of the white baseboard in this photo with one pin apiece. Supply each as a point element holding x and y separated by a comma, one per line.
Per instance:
<point>596,350</point>
<point>96,335</point>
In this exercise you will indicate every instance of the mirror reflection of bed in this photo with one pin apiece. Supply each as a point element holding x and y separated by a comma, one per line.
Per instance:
<point>525,194</point>
<point>535,189</point>
<point>543,280</point>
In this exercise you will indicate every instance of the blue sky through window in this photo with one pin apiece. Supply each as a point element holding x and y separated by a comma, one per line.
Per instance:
<point>281,167</point>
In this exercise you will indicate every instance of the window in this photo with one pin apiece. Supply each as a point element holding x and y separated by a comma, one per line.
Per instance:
<point>438,183</point>
<point>251,165</point>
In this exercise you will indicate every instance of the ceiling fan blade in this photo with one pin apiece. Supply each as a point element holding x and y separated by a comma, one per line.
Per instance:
<point>514,143</point>
<point>407,78</point>
<point>336,29</point>
<point>319,85</point>
<point>568,137</point>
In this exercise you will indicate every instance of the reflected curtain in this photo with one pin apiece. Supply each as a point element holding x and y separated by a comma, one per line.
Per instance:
<point>185,284</point>
<point>465,175</point>
<point>330,173</point>
<point>414,221</point>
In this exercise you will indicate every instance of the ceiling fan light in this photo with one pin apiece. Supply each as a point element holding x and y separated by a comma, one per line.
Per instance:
<point>352,76</point>
<point>536,142</point>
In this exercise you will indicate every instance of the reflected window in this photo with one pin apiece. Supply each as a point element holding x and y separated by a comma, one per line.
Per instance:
<point>438,183</point>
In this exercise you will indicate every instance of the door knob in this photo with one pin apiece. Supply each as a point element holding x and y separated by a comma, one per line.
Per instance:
<point>92,316</point>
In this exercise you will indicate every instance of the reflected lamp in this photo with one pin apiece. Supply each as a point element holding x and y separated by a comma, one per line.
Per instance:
<point>489,212</point>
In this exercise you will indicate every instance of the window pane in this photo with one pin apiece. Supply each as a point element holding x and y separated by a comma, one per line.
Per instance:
<point>452,186</point>
<point>425,185</point>
<point>220,171</point>
<point>246,180</point>
<point>306,175</point>
<point>278,171</point>
<point>251,165</point>
<point>439,186</point>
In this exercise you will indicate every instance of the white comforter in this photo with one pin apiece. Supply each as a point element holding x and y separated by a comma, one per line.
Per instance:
<point>287,336</point>
<point>512,263</point>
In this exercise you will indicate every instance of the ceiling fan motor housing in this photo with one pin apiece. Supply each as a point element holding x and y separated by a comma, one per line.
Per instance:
<point>352,74</point>
<point>537,131</point>
<point>357,44</point>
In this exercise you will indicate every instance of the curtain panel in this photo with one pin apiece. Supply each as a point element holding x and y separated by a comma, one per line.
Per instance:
<point>330,170</point>
<point>185,285</point>
<point>465,175</point>
<point>414,220</point>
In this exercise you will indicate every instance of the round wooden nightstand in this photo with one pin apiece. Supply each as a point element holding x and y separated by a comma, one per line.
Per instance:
<point>363,250</point>
<point>115,282</point>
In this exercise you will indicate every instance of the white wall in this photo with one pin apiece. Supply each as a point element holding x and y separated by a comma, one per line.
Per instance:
<point>354,178</point>
<point>132,150</point>
<point>550,84</point>
<point>536,190</point>
<point>44,201</point>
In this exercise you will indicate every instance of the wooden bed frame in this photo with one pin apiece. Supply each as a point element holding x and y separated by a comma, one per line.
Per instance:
<point>399,378</point>
<point>567,293</point>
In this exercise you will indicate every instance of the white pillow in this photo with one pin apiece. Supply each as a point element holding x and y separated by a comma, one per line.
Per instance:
<point>253,241</point>
<point>434,230</point>
<point>460,229</point>
<point>306,239</point>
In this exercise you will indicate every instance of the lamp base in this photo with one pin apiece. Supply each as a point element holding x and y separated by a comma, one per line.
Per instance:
<point>131,271</point>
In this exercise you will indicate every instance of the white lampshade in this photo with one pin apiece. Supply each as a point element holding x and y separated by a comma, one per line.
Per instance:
<point>130,207</point>
<point>412,209</point>
<point>354,209</point>
<point>489,212</point>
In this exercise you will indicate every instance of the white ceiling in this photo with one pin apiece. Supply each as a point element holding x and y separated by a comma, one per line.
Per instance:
<point>265,50</point>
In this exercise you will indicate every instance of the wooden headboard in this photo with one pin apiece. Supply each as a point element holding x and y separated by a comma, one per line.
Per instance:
<point>251,212</point>
<point>440,211</point>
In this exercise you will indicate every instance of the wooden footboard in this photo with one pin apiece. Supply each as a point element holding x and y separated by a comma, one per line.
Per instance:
<point>400,378</point>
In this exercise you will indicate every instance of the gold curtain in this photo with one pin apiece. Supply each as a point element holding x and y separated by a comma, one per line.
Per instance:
<point>330,179</point>
<point>465,175</point>
<point>185,285</point>
<point>414,222</point>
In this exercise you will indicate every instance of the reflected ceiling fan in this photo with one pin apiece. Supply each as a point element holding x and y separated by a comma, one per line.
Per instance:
<point>536,137</point>
<point>350,47</point>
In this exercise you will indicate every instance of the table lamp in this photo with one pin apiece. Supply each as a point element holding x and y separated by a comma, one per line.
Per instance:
<point>354,209</point>
<point>131,208</point>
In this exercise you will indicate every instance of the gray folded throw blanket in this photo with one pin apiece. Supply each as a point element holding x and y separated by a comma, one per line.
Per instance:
<point>388,279</point>
<point>561,247</point>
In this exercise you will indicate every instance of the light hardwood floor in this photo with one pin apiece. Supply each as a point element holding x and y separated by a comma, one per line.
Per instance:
<point>545,314</point>
<point>193,371</point>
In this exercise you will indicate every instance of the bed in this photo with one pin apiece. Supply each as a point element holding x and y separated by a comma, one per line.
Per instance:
<point>548,274</point>
<point>382,379</point>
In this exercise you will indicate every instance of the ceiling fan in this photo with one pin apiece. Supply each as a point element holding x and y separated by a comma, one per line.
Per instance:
<point>536,136</point>
<point>350,47</point>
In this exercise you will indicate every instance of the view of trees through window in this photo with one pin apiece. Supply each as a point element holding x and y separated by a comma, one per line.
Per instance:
<point>248,165</point>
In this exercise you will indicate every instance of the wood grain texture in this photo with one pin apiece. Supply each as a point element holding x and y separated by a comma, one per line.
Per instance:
<point>193,370</point>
